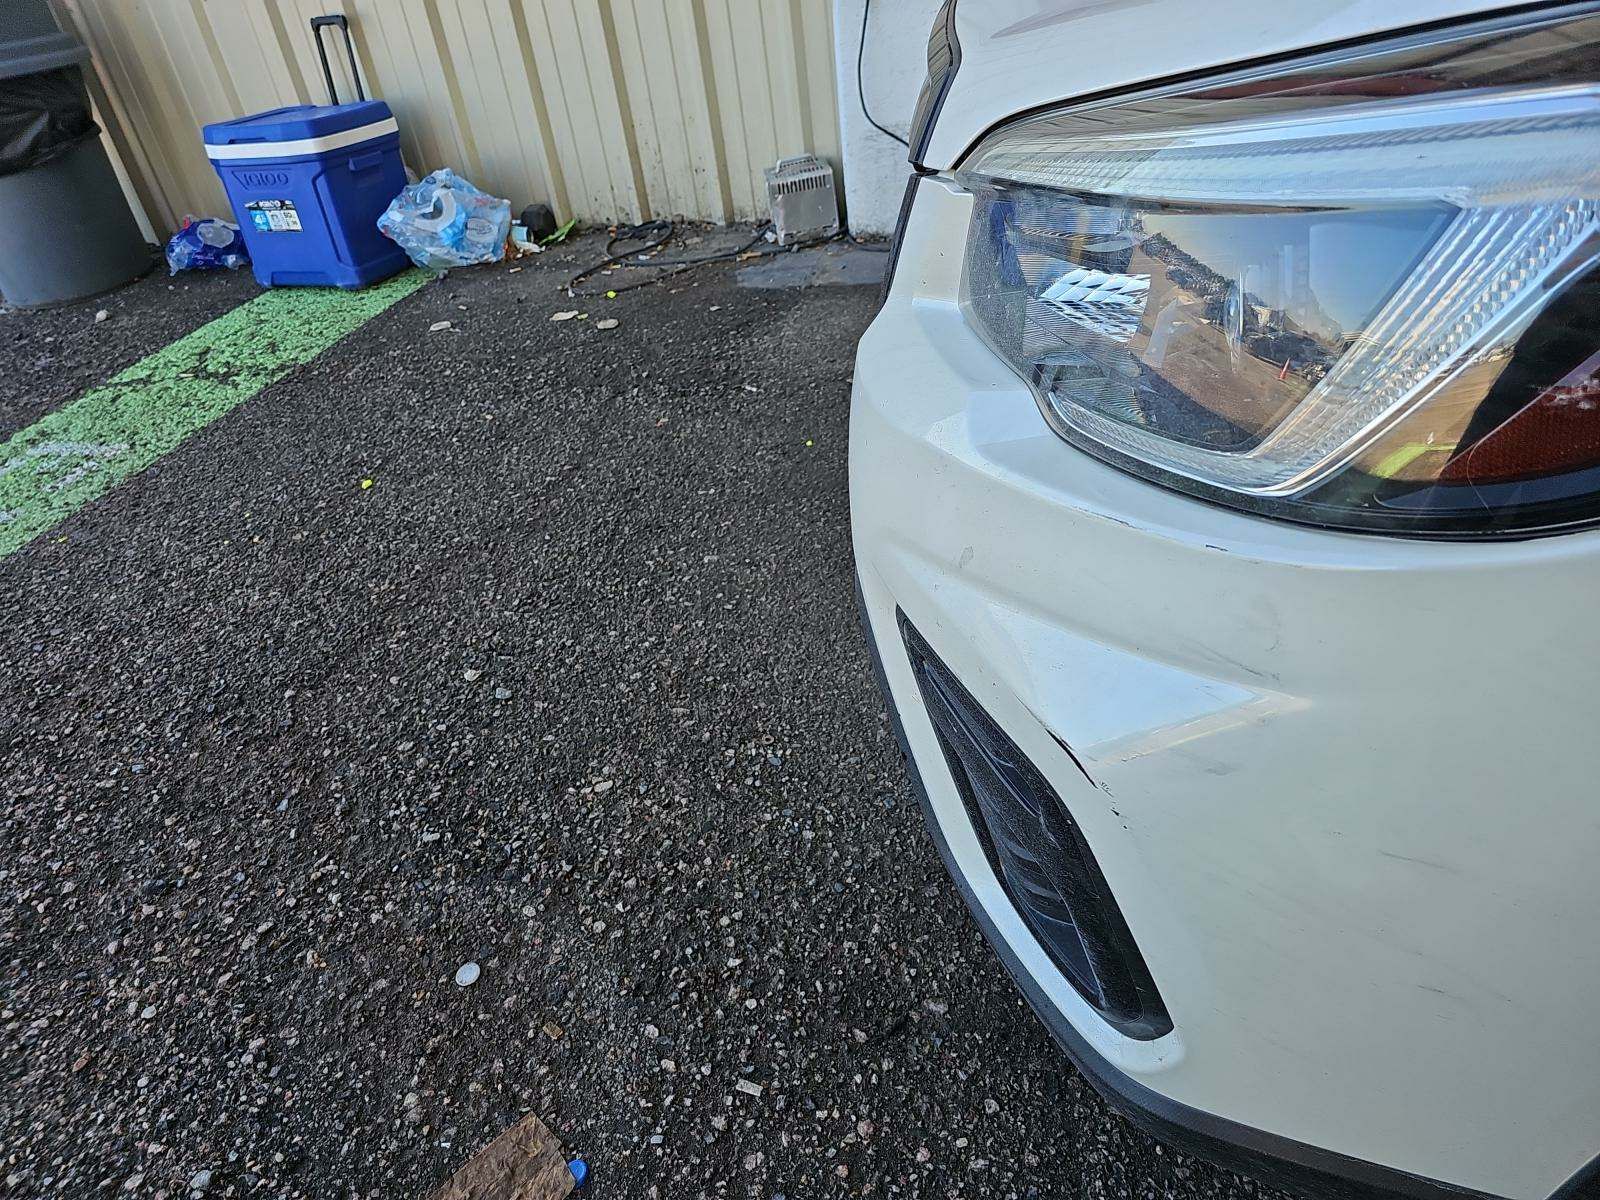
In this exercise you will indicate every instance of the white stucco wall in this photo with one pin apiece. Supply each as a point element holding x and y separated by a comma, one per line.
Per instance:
<point>896,59</point>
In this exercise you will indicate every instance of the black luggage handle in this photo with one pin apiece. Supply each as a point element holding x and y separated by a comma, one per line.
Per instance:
<point>343,22</point>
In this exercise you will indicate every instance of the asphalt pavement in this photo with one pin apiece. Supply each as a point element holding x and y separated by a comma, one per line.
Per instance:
<point>572,691</point>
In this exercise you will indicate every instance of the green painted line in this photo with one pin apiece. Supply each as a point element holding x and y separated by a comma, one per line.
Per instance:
<point>80,452</point>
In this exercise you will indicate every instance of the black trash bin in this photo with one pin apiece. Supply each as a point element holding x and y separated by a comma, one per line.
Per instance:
<point>66,231</point>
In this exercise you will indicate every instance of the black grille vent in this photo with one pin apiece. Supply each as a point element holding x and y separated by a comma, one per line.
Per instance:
<point>1039,854</point>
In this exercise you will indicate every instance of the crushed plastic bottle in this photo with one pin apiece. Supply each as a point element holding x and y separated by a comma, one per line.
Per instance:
<point>206,244</point>
<point>443,222</point>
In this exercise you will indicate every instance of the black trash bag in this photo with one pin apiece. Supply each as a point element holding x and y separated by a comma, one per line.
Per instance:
<point>43,116</point>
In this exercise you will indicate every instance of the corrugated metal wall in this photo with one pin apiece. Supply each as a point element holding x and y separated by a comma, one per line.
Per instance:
<point>606,109</point>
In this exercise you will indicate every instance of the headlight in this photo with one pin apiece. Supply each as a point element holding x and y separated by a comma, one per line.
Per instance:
<point>1359,292</point>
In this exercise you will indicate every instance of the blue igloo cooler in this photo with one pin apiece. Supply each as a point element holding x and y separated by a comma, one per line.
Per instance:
<point>308,184</point>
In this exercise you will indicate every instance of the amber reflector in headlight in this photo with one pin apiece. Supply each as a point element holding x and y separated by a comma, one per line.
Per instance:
<point>1359,291</point>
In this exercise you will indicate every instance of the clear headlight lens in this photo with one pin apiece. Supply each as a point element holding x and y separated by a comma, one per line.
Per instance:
<point>1300,296</point>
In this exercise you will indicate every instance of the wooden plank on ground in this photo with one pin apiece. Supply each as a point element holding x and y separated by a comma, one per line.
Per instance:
<point>523,1163</point>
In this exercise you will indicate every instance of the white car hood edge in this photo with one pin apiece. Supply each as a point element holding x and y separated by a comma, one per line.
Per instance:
<point>1018,55</point>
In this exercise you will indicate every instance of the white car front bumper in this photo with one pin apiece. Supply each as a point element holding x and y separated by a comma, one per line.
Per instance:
<point>1342,787</point>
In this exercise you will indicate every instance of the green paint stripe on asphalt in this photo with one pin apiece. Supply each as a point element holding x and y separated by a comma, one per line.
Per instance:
<point>78,453</point>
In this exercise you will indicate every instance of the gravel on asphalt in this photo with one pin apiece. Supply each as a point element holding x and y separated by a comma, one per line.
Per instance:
<point>572,695</point>
<point>53,354</point>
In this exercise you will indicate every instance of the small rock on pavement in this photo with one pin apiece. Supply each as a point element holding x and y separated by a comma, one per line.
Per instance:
<point>748,1088</point>
<point>200,1180</point>
<point>102,315</point>
<point>437,326</point>
<point>502,693</point>
<point>467,974</point>
<point>471,675</point>
<point>608,323</point>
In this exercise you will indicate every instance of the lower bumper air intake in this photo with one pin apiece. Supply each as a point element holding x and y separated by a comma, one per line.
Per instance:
<point>1038,853</point>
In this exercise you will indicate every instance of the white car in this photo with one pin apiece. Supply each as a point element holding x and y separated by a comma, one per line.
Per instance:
<point>1225,479</point>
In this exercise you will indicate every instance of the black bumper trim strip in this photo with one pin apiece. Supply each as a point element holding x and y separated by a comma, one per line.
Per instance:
<point>899,236</point>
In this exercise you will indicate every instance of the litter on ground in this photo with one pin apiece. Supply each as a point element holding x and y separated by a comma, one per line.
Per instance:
<point>523,1163</point>
<point>443,222</point>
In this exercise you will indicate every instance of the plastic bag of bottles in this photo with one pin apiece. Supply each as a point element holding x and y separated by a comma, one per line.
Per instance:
<point>205,244</point>
<point>443,222</point>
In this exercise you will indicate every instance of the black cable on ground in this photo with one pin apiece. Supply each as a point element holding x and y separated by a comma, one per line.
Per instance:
<point>669,266</point>
<point>861,91</point>
<point>660,232</point>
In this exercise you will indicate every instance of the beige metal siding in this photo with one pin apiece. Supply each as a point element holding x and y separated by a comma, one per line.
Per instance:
<point>607,109</point>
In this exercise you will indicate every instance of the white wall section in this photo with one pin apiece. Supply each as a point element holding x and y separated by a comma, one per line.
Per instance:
<point>895,60</point>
